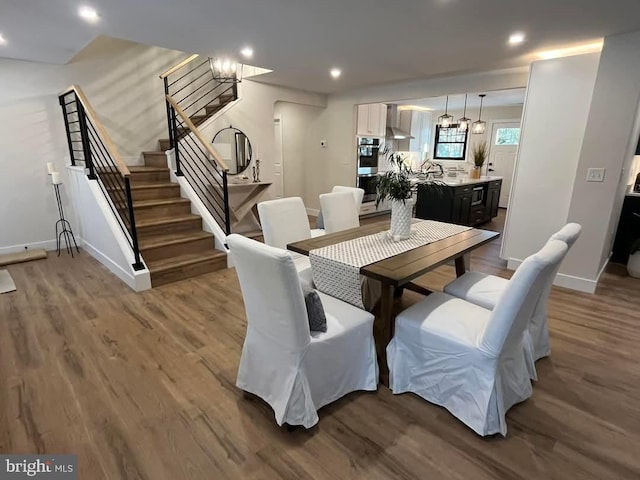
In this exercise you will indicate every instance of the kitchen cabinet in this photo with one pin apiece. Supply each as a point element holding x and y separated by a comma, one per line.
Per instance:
<point>628,229</point>
<point>455,203</point>
<point>372,120</point>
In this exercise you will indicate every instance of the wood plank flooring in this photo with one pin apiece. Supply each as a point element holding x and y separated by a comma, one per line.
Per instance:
<point>141,386</point>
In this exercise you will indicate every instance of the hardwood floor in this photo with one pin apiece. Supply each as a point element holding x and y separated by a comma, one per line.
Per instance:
<point>141,386</point>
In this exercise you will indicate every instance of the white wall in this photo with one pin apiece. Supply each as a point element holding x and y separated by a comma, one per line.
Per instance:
<point>300,149</point>
<point>120,79</point>
<point>610,141</point>
<point>339,119</point>
<point>254,115</point>
<point>556,110</point>
<point>100,234</point>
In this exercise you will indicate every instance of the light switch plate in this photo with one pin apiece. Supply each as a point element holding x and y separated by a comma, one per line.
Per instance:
<point>595,175</point>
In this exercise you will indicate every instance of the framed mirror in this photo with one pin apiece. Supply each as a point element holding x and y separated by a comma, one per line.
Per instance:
<point>234,147</point>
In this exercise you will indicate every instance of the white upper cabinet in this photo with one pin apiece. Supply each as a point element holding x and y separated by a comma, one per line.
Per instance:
<point>372,120</point>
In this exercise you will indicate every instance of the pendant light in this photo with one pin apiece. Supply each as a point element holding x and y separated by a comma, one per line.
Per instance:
<point>480,126</point>
<point>464,122</point>
<point>445,120</point>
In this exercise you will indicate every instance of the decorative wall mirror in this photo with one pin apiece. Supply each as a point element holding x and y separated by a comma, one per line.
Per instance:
<point>235,149</point>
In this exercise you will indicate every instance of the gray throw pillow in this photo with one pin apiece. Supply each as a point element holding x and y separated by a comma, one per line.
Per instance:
<point>315,311</point>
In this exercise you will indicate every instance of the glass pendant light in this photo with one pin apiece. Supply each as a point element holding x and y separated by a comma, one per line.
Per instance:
<point>480,126</point>
<point>464,122</point>
<point>445,120</point>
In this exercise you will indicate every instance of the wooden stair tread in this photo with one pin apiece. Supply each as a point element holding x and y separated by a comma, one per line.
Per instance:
<point>154,152</point>
<point>145,169</point>
<point>184,260</point>
<point>167,220</point>
<point>147,185</point>
<point>172,239</point>
<point>159,202</point>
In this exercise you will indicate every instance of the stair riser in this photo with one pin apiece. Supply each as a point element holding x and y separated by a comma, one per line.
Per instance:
<point>164,145</point>
<point>156,193</point>
<point>149,177</point>
<point>193,225</point>
<point>181,273</point>
<point>183,248</point>
<point>154,159</point>
<point>149,213</point>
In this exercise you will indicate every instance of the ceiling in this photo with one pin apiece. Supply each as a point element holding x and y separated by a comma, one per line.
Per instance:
<point>497,98</point>
<point>300,40</point>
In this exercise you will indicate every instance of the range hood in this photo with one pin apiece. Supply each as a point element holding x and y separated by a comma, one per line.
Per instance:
<point>393,124</point>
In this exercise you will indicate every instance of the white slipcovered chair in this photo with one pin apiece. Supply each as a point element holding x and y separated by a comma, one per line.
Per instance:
<point>485,290</point>
<point>285,221</point>
<point>294,370</point>
<point>339,211</point>
<point>358,195</point>
<point>467,358</point>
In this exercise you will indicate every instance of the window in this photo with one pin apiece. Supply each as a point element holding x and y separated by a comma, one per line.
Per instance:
<point>508,136</point>
<point>451,143</point>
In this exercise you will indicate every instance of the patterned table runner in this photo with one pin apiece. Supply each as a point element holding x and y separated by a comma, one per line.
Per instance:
<point>336,268</point>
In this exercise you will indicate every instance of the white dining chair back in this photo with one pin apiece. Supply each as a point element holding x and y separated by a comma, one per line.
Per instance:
<point>513,312</point>
<point>339,211</point>
<point>358,194</point>
<point>284,221</point>
<point>271,288</point>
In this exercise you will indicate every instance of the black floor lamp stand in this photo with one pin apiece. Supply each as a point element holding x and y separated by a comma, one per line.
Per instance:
<point>63,228</point>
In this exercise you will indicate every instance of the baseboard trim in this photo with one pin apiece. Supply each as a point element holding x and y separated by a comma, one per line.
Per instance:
<point>46,245</point>
<point>138,281</point>
<point>571,282</point>
<point>314,212</point>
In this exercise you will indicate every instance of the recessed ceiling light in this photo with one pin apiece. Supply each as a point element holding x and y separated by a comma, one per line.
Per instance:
<point>247,52</point>
<point>516,38</point>
<point>88,13</point>
<point>2,40</point>
<point>335,72</point>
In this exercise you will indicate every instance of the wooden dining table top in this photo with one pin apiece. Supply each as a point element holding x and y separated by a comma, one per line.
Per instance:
<point>401,269</point>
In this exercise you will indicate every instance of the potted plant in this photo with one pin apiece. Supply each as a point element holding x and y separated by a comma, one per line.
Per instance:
<point>479,154</point>
<point>395,185</point>
<point>633,264</point>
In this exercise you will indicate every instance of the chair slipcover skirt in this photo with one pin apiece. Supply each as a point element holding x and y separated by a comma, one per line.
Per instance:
<point>333,364</point>
<point>453,372</point>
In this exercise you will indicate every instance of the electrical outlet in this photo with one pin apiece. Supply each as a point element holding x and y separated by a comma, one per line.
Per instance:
<point>595,175</point>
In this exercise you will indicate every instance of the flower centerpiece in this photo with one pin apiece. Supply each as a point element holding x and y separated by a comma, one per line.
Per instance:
<point>479,153</point>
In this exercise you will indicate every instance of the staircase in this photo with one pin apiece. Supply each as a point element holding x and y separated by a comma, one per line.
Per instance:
<point>171,239</point>
<point>157,222</point>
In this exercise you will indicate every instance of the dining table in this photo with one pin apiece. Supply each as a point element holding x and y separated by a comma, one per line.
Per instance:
<point>397,271</point>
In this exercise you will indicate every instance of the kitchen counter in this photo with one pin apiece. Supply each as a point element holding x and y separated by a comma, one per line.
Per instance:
<point>631,193</point>
<point>459,181</point>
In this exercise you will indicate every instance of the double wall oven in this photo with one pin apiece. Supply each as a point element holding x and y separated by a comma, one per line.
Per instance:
<point>368,150</point>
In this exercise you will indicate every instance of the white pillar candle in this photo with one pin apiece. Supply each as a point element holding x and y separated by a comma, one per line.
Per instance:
<point>51,167</point>
<point>56,178</point>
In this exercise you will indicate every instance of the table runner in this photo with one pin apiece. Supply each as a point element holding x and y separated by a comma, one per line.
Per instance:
<point>336,268</point>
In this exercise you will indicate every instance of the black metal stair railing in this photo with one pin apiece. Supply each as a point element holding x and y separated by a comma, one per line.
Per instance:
<point>193,95</point>
<point>90,146</point>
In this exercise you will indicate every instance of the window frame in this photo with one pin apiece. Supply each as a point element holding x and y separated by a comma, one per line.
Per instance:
<point>437,142</point>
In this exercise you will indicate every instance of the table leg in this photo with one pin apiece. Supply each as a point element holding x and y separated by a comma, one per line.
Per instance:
<point>460,266</point>
<point>383,331</point>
